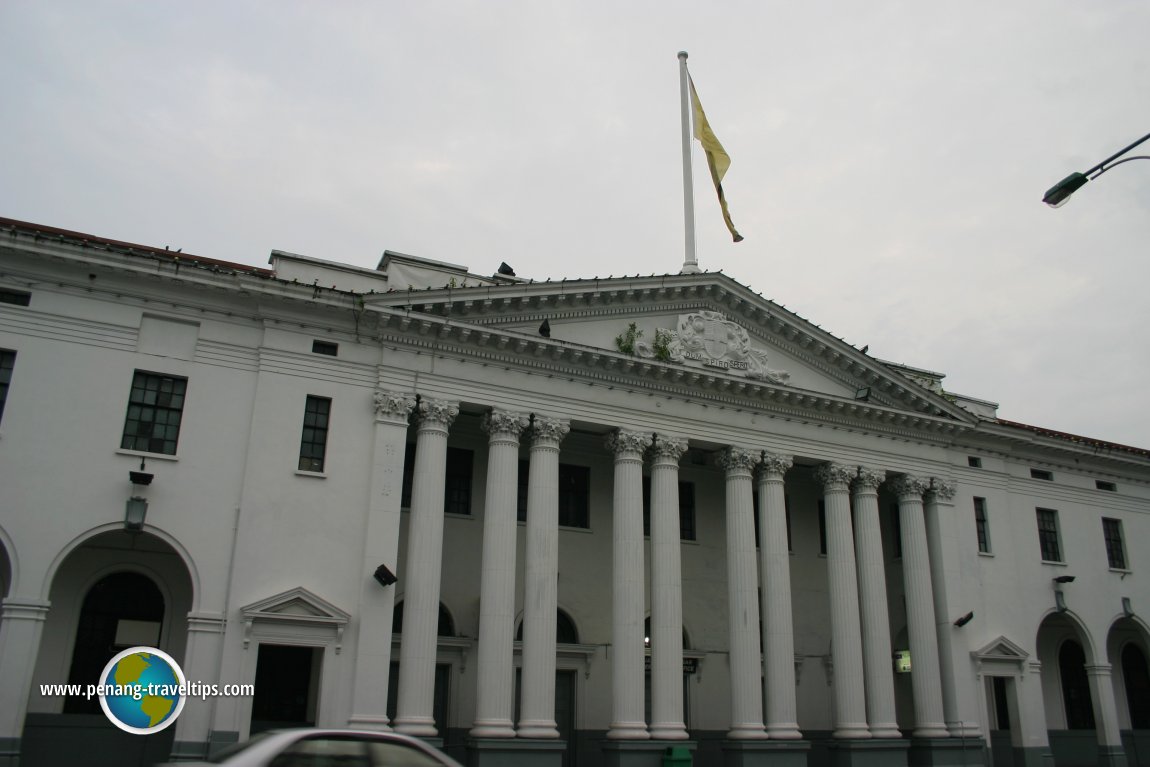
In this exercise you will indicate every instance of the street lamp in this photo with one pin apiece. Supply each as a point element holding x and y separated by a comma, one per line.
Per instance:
<point>1058,194</point>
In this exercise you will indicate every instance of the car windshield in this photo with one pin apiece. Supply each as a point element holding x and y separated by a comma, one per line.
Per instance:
<point>236,748</point>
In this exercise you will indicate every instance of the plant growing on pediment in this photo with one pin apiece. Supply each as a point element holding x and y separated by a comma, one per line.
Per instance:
<point>661,346</point>
<point>625,341</point>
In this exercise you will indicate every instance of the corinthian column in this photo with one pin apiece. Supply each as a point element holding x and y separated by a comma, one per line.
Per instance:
<point>874,615</point>
<point>959,703</point>
<point>924,674</point>
<point>422,571</point>
<point>778,623</point>
<point>493,707</point>
<point>666,592</point>
<point>380,546</point>
<point>541,573</point>
<point>850,704</point>
<point>627,651</point>
<point>743,597</point>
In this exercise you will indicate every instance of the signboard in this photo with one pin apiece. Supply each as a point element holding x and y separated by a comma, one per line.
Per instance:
<point>902,661</point>
<point>690,665</point>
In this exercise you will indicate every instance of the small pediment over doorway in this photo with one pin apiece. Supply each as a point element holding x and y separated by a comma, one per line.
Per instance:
<point>1001,657</point>
<point>296,610</point>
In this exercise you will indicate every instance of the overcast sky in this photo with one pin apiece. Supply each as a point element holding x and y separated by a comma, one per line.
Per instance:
<point>888,157</point>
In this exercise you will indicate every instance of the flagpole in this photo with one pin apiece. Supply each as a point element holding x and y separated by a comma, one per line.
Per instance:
<point>690,264</point>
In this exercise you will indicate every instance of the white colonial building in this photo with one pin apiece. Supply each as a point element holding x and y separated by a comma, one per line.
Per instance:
<point>541,522</point>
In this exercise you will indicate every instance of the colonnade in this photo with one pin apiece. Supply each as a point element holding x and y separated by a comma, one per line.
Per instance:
<point>863,684</point>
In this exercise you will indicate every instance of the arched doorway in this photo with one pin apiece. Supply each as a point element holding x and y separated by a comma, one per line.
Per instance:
<point>1128,652</point>
<point>121,610</point>
<point>1065,651</point>
<point>114,590</point>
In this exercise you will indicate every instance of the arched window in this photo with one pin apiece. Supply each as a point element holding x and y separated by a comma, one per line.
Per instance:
<point>446,623</point>
<point>1075,686</point>
<point>1137,678</point>
<point>120,611</point>
<point>565,631</point>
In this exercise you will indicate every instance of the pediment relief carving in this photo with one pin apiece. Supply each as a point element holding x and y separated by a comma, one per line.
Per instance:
<point>711,340</point>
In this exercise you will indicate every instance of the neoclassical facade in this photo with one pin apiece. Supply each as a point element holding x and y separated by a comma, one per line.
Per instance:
<point>558,522</point>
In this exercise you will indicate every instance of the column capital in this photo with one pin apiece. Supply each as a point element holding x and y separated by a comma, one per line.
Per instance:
<point>437,412</point>
<point>393,406</point>
<point>776,465</point>
<point>621,442</point>
<point>908,487</point>
<point>737,459</point>
<point>549,430</point>
<point>835,476</point>
<point>504,423</point>
<point>869,479</point>
<point>668,449</point>
<point>942,489</point>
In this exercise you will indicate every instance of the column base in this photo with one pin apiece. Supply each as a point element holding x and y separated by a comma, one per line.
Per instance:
<point>869,752</point>
<point>645,753</point>
<point>419,727</point>
<point>515,752</point>
<point>947,752</point>
<point>1033,757</point>
<point>9,752</point>
<point>1112,756</point>
<point>189,750</point>
<point>765,753</point>
<point>369,722</point>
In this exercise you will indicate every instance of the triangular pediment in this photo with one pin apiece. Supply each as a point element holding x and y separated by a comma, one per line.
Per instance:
<point>1001,649</point>
<point>705,333</point>
<point>297,604</point>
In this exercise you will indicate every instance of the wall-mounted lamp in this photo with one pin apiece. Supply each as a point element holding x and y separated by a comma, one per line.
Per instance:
<point>384,576</point>
<point>964,619</point>
<point>1064,579</point>
<point>1127,607</point>
<point>134,512</point>
<point>140,477</point>
<point>1060,602</point>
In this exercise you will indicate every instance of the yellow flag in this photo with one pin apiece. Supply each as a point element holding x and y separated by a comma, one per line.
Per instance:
<point>717,158</point>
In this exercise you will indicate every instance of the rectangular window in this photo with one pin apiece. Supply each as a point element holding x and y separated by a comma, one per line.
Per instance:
<point>457,485</point>
<point>7,362</point>
<point>1048,535</point>
<point>313,444</point>
<point>325,347</point>
<point>896,531</point>
<point>1042,474</point>
<point>1104,485</point>
<point>574,496</point>
<point>15,297</point>
<point>155,410</point>
<point>974,462</point>
<point>1115,549</point>
<point>981,525</point>
<point>686,509</point>
<point>822,527</point>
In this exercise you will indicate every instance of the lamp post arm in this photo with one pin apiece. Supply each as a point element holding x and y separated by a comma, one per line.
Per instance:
<point>1126,159</point>
<point>1102,165</point>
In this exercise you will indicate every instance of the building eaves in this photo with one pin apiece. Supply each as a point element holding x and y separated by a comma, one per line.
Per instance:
<point>15,228</point>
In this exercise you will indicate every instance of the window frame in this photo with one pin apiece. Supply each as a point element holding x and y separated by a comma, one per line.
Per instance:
<point>982,525</point>
<point>313,438</point>
<point>1049,534</point>
<point>7,368</point>
<point>129,440</point>
<point>1115,541</point>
